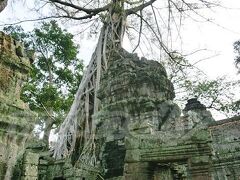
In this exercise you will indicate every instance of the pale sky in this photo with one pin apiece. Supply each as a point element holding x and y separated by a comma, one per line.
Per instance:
<point>217,37</point>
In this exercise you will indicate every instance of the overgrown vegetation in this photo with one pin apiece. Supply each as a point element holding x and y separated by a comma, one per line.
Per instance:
<point>218,95</point>
<point>56,72</point>
<point>150,26</point>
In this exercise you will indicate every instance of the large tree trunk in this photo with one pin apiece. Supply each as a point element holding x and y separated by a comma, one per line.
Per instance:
<point>48,127</point>
<point>79,119</point>
<point>3,4</point>
<point>50,120</point>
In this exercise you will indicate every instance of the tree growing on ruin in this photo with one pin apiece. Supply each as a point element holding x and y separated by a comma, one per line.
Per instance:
<point>218,95</point>
<point>116,18</point>
<point>55,75</point>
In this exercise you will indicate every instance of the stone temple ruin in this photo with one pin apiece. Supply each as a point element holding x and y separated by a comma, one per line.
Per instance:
<point>16,120</point>
<point>141,134</point>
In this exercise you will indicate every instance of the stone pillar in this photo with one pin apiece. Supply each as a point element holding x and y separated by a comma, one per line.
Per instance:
<point>30,166</point>
<point>136,97</point>
<point>196,113</point>
<point>200,168</point>
<point>16,120</point>
<point>137,171</point>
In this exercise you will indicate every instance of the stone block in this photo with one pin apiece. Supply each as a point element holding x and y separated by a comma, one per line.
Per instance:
<point>43,162</point>
<point>42,172</point>
<point>71,178</point>
<point>28,178</point>
<point>68,172</point>
<point>132,143</point>
<point>200,160</point>
<point>31,158</point>
<point>30,170</point>
<point>140,167</point>
<point>136,176</point>
<point>55,170</point>
<point>117,178</point>
<point>132,155</point>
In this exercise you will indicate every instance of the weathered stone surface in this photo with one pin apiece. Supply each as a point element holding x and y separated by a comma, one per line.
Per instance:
<point>193,116</point>
<point>136,98</point>
<point>140,134</point>
<point>207,151</point>
<point>16,120</point>
<point>226,148</point>
<point>13,71</point>
<point>194,104</point>
<point>28,178</point>
<point>3,169</point>
<point>30,170</point>
<point>31,158</point>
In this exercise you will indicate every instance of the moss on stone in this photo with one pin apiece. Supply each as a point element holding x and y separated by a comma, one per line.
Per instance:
<point>18,168</point>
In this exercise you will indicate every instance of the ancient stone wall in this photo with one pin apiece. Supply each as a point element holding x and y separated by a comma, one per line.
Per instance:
<point>16,120</point>
<point>140,133</point>
<point>226,148</point>
<point>136,96</point>
<point>202,149</point>
<point>175,154</point>
<point>146,134</point>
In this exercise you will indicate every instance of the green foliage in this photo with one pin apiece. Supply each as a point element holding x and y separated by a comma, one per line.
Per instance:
<point>236,46</point>
<point>218,94</point>
<point>17,33</point>
<point>56,70</point>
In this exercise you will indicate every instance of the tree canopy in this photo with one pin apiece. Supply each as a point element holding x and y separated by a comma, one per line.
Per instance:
<point>116,18</point>
<point>56,71</point>
<point>150,25</point>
